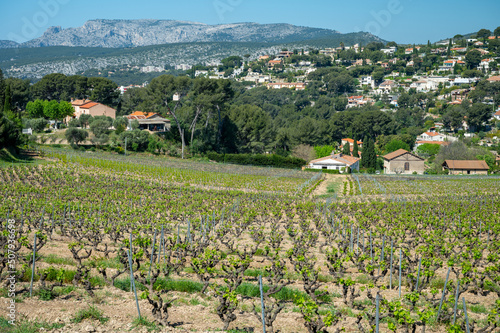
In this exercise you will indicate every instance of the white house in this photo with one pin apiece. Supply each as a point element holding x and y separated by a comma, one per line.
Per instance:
<point>435,136</point>
<point>485,64</point>
<point>391,50</point>
<point>497,114</point>
<point>338,162</point>
<point>367,81</point>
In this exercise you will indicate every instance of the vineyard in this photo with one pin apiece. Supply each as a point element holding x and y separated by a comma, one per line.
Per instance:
<point>110,243</point>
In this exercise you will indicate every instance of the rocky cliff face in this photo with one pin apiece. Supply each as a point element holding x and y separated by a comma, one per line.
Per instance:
<point>133,33</point>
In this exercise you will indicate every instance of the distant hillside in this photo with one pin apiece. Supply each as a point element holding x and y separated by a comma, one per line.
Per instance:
<point>7,44</point>
<point>34,63</point>
<point>135,33</point>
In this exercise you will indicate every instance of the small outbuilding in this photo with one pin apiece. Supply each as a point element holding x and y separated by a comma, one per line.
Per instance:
<point>339,162</point>
<point>466,167</point>
<point>402,161</point>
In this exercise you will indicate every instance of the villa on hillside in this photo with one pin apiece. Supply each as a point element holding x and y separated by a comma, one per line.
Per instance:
<point>152,122</point>
<point>91,108</point>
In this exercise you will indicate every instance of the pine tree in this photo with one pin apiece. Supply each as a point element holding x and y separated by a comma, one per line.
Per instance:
<point>6,105</point>
<point>346,150</point>
<point>355,148</point>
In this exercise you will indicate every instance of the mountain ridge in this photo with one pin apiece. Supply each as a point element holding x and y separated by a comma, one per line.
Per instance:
<point>145,32</point>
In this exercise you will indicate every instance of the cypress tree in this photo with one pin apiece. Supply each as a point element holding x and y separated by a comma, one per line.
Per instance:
<point>6,105</point>
<point>355,148</point>
<point>2,90</point>
<point>369,157</point>
<point>346,150</point>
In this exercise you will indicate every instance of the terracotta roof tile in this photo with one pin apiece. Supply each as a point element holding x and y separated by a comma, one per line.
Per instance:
<point>397,153</point>
<point>466,165</point>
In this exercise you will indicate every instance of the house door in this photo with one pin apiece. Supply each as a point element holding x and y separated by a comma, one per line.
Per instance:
<point>468,172</point>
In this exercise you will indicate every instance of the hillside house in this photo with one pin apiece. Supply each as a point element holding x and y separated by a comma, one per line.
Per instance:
<point>289,85</point>
<point>466,167</point>
<point>496,115</point>
<point>494,78</point>
<point>339,162</point>
<point>91,108</point>
<point>448,65</point>
<point>152,122</point>
<point>403,162</point>
<point>485,64</point>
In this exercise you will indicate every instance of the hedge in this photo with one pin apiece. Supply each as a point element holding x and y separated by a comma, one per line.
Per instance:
<point>258,160</point>
<point>334,172</point>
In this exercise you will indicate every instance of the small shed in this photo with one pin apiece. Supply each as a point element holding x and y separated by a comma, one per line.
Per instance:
<point>466,167</point>
<point>402,161</point>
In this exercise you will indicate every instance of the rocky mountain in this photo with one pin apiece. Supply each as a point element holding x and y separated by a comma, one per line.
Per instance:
<point>8,44</point>
<point>134,33</point>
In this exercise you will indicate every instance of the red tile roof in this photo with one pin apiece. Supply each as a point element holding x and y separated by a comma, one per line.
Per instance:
<point>466,165</point>
<point>434,142</point>
<point>348,160</point>
<point>89,105</point>
<point>397,153</point>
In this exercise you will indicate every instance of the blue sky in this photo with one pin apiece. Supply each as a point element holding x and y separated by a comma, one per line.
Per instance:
<point>404,21</point>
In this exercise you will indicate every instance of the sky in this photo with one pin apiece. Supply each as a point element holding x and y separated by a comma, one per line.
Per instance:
<point>403,21</point>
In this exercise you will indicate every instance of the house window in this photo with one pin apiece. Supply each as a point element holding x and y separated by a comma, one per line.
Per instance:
<point>407,166</point>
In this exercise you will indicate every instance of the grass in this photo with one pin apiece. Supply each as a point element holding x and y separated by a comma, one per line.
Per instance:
<point>57,260</point>
<point>107,262</point>
<point>477,308</point>
<point>144,322</point>
<point>27,326</point>
<point>92,313</point>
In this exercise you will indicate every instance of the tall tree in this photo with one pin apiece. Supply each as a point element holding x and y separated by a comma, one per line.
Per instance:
<point>355,148</point>
<point>472,59</point>
<point>6,105</point>
<point>369,157</point>
<point>346,149</point>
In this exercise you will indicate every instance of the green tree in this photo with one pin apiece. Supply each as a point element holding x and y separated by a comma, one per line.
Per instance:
<point>35,109</point>
<point>428,150</point>
<point>346,149</point>
<point>323,151</point>
<point>75,135</point>
<point>369,157</point>
<point>85,120</point>
<point>6,105</point>
<point>478,114</point>
<point>395,145</point>
<point>496,32</point>
<point>2,90</point>
<point>38,125</point>
<point>472,59</point>
<point>51,110</point>
<point>120,124</point>
<point>100,126</point>
<point>355,148</point>
<point>483,33</point>
<point>103,90</point>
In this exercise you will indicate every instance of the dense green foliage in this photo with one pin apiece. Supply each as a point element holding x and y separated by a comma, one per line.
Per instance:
<point>276,161</point>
